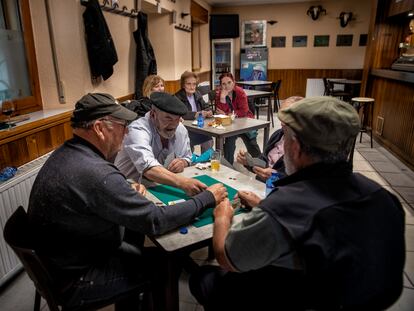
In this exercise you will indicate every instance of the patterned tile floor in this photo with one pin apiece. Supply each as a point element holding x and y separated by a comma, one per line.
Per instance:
<point>376,163</point>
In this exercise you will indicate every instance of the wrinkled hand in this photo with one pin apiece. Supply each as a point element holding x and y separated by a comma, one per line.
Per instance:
<point>177,165</point>
<point>224,209</point>
<point>191,186</point>
<point>141,189</point>
<point>219,192</point>
<point>248,198</point>
<point>241,157</point>
<point>264,173</point>
<point>207,113</point>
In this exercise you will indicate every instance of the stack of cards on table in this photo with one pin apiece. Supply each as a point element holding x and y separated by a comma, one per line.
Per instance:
<point>254,161</point>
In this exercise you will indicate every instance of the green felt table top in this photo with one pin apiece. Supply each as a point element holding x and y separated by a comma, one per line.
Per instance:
<point>168,194</point>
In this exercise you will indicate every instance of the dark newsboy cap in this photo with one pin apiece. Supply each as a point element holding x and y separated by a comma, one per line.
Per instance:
<point>168,103</point>
<point>97,105</point>
<point>322,122</point>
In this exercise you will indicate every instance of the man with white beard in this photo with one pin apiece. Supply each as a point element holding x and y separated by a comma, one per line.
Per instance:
<point>325,238</point>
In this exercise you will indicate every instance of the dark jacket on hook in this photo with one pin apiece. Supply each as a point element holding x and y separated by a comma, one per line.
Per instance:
<point>101,49</point>
<point>145,62</point>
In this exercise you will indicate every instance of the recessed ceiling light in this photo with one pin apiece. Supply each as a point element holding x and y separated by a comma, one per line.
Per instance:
<point>411,14</point>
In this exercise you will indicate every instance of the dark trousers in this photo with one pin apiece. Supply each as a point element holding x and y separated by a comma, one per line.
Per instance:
<point>123,275</point>
<point>205,141</point>
<point>249,141</point>
<point>269,288</point>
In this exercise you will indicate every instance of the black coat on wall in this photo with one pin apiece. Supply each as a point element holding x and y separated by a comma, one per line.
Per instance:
<point>101,49</point>
<point>145,62</point>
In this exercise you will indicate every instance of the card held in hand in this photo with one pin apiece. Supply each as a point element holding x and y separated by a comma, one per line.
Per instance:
<point>169,159</point>
<point>259,162</point>
<point>249,159</point>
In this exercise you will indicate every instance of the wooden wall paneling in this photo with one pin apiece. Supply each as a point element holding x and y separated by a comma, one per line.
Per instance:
<point>18,152</point>
<point>31,143</point>
<point>204,76</point>
<point>294,80</point>
<point>172,86</point>
<point>399,7</point>
<point>394,101</point>
<point>198,13</point>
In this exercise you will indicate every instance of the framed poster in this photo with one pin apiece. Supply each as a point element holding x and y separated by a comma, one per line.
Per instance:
<point>278,42</point>
<point>299,41</point>
<point>344,40</point>
<point>253,34</point>
<point>321,40</point>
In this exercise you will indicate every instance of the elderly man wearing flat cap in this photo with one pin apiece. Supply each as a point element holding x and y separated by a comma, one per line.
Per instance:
<point>153,139</point>
<point>81,205</point>
<point>324,239</point>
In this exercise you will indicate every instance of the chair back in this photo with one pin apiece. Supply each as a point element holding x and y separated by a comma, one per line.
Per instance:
<point>212,99</point>
<point>204,87</point>
<point>21,238</point>
<point>275,89</point>
<point>328,87</point>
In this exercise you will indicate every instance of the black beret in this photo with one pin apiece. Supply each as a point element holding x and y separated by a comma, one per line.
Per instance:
<point>168,103</point>
<point>97,105</point>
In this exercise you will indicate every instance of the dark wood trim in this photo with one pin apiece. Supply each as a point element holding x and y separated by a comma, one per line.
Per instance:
<point>402,76</point>
<point>34,102</point>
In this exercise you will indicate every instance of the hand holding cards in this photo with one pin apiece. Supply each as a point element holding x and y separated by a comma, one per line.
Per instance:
<point>254,161</point>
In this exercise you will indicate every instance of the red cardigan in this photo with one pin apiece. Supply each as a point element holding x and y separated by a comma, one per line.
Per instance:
<point>239,101</point>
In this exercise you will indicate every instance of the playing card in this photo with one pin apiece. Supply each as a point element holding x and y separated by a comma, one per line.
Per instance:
<point>259,162</point>
<point>249,159</point>
<point>169,159</point>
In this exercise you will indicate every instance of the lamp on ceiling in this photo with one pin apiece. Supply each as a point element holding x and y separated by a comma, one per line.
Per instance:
<point>315,10</point>
<point>272,22</point>
<point>345,18</point>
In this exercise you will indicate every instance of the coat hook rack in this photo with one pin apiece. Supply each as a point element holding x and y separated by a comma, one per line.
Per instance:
<point>114,8</point>
<point>183,28</point>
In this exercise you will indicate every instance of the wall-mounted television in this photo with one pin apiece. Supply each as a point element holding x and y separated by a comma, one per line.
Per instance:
<point>224,26</point>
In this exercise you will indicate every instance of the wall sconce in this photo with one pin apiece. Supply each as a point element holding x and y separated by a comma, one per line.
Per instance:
<point>315,10</point>
<point>344,18</point>
<point>184,15</point>
<point>272,22</point>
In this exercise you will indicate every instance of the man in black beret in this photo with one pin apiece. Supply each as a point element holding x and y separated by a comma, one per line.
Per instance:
<point>81,205</point>
<point>157,146</point>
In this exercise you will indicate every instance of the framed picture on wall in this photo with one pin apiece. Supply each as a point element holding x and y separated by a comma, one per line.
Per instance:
<point>299,41</point>
<point>278,42</point>
<point>253,33</point>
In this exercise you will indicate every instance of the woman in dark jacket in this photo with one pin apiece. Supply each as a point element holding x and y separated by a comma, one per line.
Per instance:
<point>196,105</point>
<point>142,105</point>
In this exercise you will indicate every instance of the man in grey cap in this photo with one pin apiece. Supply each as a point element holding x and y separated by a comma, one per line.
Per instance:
<point>82,206</point>
<point>324,239</point>
<point>158,137</point>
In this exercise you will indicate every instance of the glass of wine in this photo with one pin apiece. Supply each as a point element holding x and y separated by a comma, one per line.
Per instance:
<point>7,108</point>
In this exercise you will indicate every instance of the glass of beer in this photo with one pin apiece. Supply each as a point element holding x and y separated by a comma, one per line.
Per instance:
<point>215,161</point>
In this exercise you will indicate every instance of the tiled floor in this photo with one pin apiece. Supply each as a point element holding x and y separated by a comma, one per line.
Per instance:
<point>377,164</point>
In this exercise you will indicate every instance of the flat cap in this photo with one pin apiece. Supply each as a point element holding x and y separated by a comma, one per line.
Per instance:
<point>322,122</point>
<point>168,103</point>
<point>93,106</point>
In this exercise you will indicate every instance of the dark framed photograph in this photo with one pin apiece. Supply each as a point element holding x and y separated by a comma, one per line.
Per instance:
<point>278,42</point>
<point>321,40</point>
<point>363,39</point>
<point>253,34</point>
<point>299,41</point>
<point>344,40</point>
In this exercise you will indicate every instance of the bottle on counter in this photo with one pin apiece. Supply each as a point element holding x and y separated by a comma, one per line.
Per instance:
<point>200,120</point>
<point>269,182</point>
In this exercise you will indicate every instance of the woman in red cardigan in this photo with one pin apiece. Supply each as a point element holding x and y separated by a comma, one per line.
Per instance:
<point>232,99</point>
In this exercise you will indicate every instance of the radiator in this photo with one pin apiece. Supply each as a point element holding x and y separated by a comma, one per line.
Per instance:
<point>13,193</point>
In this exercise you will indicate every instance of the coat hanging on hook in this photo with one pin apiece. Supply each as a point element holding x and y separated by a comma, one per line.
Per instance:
<point>101,49</point>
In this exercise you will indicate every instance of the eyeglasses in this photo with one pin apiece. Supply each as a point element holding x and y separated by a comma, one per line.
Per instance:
<point>124,123</point>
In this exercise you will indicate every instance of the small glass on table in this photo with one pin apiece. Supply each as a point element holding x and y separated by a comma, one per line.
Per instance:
<point>215,161</point>
<point>7,108</point>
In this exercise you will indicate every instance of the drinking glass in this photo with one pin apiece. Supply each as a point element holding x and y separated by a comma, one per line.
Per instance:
<point>215,161</point>
<point>7,108</point>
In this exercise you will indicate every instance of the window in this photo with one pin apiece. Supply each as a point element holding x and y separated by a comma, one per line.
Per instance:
<point>19,79</point>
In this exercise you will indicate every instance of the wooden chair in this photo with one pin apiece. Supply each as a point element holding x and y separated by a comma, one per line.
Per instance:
<point>22,239</point>
<point>275,89</point>
<point>330,91</point>
<point>264,103</point>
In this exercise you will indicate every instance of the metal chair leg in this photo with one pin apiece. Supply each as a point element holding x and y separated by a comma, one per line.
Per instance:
<point>37,301</point>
